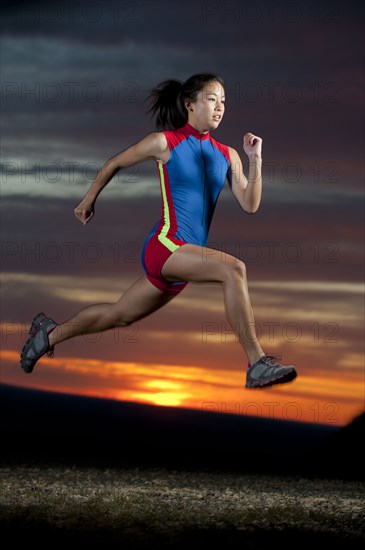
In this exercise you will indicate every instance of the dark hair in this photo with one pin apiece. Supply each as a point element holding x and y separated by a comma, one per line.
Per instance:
<point>168,99</point>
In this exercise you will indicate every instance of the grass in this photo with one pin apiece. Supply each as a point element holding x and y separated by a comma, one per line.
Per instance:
<point>138,506</point>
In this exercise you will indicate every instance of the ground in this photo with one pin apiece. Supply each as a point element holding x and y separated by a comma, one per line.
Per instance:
<point>141,507</point>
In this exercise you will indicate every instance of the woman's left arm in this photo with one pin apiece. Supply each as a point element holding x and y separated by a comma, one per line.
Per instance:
<point>247,190</point>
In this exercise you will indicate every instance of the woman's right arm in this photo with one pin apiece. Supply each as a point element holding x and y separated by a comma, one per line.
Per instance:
<point>152,147</point>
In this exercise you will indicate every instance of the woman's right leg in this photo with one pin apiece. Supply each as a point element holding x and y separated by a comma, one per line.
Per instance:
<point>141,299</point>
<point>138,301</point>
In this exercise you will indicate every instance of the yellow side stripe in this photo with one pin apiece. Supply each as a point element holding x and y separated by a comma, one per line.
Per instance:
<point>166,213</point>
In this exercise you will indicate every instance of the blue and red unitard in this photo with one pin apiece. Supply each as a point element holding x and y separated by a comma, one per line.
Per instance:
<point>190,182</point>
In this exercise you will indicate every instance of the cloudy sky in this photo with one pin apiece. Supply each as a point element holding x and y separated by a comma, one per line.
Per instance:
<point>74,79</point>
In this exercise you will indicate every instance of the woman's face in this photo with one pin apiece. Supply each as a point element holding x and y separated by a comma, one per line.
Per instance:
<point>206,112</point>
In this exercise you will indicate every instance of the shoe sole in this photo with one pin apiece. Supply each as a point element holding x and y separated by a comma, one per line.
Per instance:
<point>33,329</point>
<point>289,377</point>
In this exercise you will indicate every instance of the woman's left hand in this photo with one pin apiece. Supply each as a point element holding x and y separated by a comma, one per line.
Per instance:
<point>252,145</point>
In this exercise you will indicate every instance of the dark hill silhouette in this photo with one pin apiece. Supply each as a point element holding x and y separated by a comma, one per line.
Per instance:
<point>347,444</point>
<point>50,427</point>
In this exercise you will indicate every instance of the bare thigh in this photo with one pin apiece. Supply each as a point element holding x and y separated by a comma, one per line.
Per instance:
<point>199,264</point>
<point>139,300</point>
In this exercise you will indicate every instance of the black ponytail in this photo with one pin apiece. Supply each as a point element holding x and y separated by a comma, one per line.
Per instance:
<point>166,105</point>
<point>168,99</point>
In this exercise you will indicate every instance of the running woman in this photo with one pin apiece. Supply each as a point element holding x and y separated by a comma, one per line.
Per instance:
<point>193,168</point>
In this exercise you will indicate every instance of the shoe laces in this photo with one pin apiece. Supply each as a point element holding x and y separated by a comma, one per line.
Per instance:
<point>271,360</point>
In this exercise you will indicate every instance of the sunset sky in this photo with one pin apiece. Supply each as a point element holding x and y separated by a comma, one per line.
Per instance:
<point>74,78</point>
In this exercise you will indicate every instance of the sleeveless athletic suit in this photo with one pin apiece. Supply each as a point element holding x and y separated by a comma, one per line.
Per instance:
<point>190,182</point>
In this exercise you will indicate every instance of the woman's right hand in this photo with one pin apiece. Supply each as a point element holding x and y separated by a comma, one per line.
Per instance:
<point>84,211</point>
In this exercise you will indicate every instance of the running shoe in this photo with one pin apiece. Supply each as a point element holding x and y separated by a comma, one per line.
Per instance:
<point>38,344</point>
<point>267,371</point>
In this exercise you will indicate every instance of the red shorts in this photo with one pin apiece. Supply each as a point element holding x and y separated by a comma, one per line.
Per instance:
<point>154,256</point>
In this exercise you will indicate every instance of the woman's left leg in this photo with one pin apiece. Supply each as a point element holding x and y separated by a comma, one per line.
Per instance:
<point>199,264</point>
<point>194,263</point>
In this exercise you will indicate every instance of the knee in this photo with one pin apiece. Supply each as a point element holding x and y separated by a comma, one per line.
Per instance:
<point>118,318</point>
<point>236,269</point>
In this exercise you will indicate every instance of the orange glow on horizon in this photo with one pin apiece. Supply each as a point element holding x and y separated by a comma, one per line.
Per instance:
<point>318,399</point>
